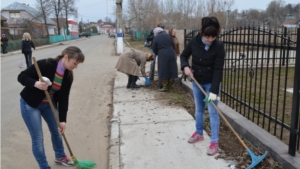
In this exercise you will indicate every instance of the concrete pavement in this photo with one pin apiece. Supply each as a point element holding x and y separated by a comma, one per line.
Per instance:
<point>148,134</point>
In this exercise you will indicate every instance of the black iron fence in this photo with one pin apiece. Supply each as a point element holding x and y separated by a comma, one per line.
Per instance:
<point>261,78</point>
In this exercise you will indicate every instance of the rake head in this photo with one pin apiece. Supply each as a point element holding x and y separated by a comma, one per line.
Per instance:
<point>255,159</point>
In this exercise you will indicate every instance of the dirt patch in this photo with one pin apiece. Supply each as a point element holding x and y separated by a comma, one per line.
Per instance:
<point>231,147</point>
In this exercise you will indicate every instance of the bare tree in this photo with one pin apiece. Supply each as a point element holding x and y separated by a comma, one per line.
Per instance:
<point>108,19</point>
<point>274,11</point>
<point>176,13</point>
<point>69,8</point>
<point>297,11</point>
<point>57,9</point>
<point>142,13</point>
<point>44,11</point>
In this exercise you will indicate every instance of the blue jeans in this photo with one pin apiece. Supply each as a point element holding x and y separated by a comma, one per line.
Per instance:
<point>28,58</point>
<point>33,120</point>
<point>199,114</point>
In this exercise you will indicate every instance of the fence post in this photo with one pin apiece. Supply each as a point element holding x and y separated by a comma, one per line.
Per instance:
<point>296,100</point>
<point>184,38</point>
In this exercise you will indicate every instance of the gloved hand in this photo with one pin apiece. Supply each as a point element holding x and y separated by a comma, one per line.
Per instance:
<point>147,81</point>
<point>46,80</point>
<point>212,97</point>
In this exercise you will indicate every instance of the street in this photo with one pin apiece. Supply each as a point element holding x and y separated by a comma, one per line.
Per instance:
<point>90,106</point>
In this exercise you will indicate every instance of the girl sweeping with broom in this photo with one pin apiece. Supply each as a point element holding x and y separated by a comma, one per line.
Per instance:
<point>58,76</point>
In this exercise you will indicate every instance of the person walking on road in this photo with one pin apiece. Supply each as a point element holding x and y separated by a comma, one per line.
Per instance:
<point>131,62</point>
<point>58,76</point>
<point>4,43</point>
<point>26,48</point>
<point>163,46</point>
<point>208,56</point>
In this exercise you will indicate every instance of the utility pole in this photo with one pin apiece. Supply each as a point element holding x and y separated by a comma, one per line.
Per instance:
<point>141,13</point>
<point>119,27</point>
<point>227,18</point>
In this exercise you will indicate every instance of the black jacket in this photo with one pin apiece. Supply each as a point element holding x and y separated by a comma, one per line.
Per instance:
<point>4,40</point>
<point>150,36</point>
<point>33,96</point>
<point>207,66</point>
<point>26,46</point>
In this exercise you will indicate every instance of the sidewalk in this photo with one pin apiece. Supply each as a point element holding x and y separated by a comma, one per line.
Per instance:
<point>145,133</point>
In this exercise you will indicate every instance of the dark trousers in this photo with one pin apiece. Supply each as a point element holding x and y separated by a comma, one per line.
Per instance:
<point>4,48</point>
<point>28,58</point>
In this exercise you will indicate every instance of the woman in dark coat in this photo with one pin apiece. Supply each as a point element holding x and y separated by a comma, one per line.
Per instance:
<point>163,46</point>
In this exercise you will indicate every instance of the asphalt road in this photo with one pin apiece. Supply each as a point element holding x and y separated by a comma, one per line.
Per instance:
<point>89,109</point>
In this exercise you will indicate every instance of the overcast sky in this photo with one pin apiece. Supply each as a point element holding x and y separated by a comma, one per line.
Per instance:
<point>93,10</point>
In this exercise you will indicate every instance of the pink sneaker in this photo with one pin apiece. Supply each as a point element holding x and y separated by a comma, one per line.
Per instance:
<point>195,138</point>
<point>64,161</point>
<point>213,149</point>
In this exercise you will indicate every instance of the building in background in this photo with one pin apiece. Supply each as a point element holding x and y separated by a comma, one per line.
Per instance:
<point>23,18</point>
<point>73,28</point>
<point>291,22</point>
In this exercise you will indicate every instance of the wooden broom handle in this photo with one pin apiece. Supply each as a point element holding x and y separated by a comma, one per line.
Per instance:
<point>220,113</point>
<point>51,104</point>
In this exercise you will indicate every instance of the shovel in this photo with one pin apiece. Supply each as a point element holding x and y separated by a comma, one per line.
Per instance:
<point>255,159</point>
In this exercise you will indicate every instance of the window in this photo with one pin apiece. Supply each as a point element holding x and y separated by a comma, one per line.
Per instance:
<point>14,15</point>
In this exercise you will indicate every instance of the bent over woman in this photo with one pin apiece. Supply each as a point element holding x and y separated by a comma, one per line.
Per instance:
<point>131,62</point>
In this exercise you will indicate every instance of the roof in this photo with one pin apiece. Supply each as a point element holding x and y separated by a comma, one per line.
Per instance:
<point>23,7</point>
<point>62,21</point>
<point>290,22</point>
<point>106,26</point>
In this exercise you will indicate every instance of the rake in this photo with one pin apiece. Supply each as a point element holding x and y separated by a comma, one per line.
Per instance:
<point>255,159</point>
<point>80,164</point>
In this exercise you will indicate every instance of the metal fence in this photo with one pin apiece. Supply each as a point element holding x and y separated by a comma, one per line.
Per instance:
<point>260,80</point>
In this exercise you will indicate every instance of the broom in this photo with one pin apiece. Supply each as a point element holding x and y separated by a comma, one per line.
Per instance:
<point>80,164</point>
<point>255,159</point>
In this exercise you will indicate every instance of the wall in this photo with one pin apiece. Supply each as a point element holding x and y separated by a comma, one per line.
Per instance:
<point>73,27</point>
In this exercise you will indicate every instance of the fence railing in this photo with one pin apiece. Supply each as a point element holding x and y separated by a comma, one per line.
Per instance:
<point>16,44</point>
<point>259,78</point>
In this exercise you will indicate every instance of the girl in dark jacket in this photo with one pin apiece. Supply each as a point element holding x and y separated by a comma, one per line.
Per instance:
<point>208,56</point>
<point>26,48</point>
<point>58,76</point>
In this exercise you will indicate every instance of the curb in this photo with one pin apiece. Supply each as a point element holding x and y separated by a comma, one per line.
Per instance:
<point>114,151</point>
<point>115,141</point>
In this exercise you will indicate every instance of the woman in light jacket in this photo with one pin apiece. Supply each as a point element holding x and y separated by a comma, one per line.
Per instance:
<point>132,62</point>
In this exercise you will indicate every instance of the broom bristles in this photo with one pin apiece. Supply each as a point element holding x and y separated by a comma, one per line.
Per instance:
<point>83,164</point>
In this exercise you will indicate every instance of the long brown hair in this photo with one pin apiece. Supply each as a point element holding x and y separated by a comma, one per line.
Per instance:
<point>171,31</point>
<point>73,52</point>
